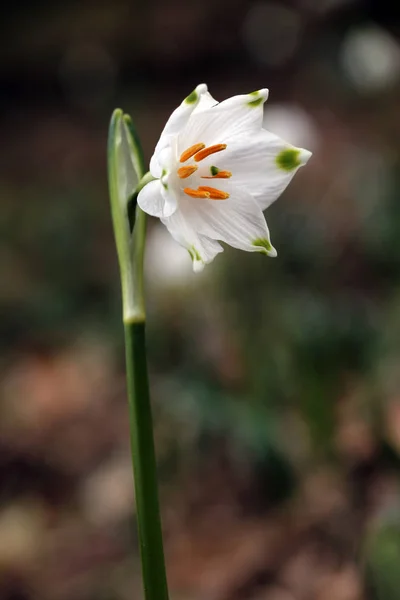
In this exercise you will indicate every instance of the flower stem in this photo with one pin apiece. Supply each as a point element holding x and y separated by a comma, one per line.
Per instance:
<point>126,172</point>
<point>144,464</point>
<point>141,429</point>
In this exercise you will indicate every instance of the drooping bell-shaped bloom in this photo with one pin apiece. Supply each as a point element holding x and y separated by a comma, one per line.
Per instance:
<point>216,170</point>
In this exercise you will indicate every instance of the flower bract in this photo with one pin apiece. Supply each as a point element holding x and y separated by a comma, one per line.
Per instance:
<point>216,169</point>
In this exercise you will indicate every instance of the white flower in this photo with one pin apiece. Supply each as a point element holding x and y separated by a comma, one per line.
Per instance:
<point>216,170</point>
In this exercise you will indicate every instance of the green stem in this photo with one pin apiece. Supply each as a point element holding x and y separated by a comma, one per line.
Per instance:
<point>141,429</point>
<point>137,313</point>
<point>138,310</point>
<point>126,172</point>
<point>144,464</point>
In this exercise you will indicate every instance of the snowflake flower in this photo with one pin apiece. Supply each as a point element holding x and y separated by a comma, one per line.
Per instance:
<point>215,171</point>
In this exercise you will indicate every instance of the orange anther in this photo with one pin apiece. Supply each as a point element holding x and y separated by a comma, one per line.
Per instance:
<point>196,193</point>
<point>219,175</point>
<point>184,172</point>
<point>191,151</point>
<point>207,151</point>
<point>214,193</point>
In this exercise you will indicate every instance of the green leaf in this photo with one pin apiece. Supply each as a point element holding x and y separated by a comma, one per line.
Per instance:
<point>135,147</point>
<point>125,170</point>
<point>118,176</point>
<point>133,165</point>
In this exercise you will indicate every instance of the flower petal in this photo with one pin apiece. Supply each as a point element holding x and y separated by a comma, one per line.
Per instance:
<point>218,124</point>
<point>157,201</point>
<point>237,221</point>
<point>206,101</point>
<point>262,163</point>
<point>201,249</point>
<point>176,123</point>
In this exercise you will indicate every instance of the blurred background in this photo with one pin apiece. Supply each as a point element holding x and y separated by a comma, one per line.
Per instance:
<point>275,383</point>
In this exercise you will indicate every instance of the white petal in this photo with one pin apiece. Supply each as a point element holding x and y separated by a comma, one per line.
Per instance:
<point>163,161</point>
<point>263,164</point>
<point>206,101</point>
<point>176,123</point>
<point>155,167</point>
<point>237,221</point>
<point>201,249</point>
<point>156,201</point>
<point>218,124</point>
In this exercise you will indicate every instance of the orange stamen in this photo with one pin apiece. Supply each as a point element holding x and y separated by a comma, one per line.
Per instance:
<point>219,175</point>
<point>197,193</point>
<point>207,151</point>
<point>214,193</point>
<point>184,172</point>
<point>191,151</point>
